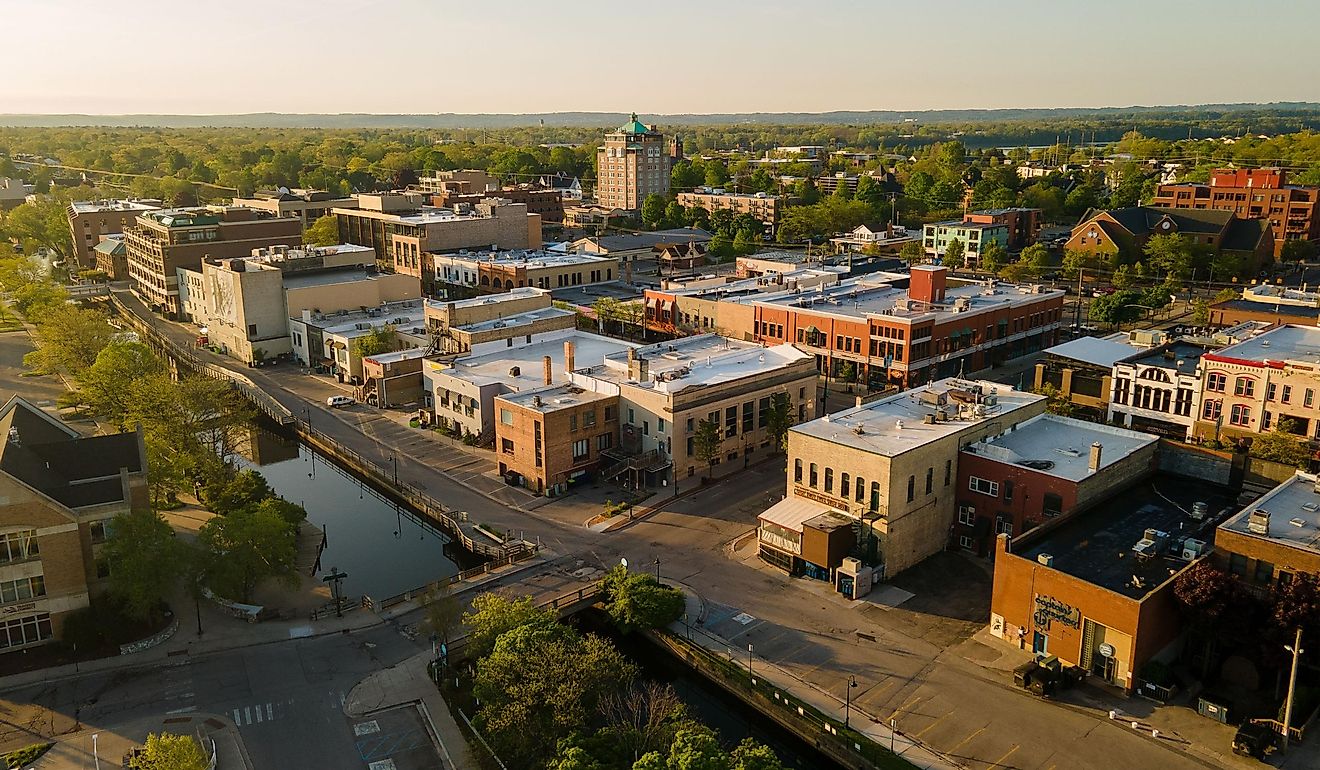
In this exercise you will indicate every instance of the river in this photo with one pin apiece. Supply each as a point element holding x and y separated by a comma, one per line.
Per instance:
<point>384,547</point>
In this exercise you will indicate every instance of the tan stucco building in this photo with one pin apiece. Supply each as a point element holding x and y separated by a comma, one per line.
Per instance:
<point>633,163</point>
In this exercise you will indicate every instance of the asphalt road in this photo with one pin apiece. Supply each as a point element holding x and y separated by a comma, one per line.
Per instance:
<point>287,698</point>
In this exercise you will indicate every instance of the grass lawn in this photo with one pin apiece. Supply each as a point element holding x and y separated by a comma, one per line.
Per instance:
<point>22,757</point>
<point>8,323</point>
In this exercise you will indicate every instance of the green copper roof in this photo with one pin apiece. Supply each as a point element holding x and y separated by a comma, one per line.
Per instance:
<point>633,126</point>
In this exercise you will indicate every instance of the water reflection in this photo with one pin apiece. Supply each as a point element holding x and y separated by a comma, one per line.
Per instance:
<point>384,548</point>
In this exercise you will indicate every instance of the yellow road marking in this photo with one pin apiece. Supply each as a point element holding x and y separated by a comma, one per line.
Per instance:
<point>965,740</point>
<point>929,726</point>
<point>1000,761</point>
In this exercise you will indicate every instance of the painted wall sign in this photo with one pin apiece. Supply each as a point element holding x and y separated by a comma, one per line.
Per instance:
<point>1049,609</point>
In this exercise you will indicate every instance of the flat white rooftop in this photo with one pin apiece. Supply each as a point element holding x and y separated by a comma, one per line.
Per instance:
<point>1294,514</point>
<point>526,258</point>
<point>398,355</point>
<point>529,361</point>
<point>896,424</point>
<point>1285,343</point>
<point>792,513</point>
<point>1098,351</point>
<point>861,298</point>
<point>512,295</point>
<point>701,360</point>
<point>517,320</point>
<point>1061,446</point>
<point>553,397</point>
<point>117,204</point>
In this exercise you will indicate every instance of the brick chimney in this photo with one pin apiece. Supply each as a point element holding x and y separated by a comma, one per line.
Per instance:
<point>549,366</point>
<point>1096,449</point>
<point>927,284</point>
<point>568,356</point>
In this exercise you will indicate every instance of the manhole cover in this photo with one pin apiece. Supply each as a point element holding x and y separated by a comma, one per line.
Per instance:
<point>366,728</point>
<point>381,764</point>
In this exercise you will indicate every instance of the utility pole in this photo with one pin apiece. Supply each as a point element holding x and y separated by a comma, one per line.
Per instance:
<point>1296,650</point>
<point>1077,312</point>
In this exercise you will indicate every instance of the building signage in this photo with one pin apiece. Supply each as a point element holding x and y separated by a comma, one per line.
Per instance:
<point>1049,609</point>
<point>1106,650</point>
<point>10,610</point>
<point>814,496</point>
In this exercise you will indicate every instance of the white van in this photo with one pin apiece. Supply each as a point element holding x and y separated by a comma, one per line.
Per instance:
<point>338,401</point>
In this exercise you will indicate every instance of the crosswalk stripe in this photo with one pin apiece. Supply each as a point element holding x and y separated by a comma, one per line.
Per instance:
<point>269,712</point>
<point>258,714</point>
<point>237,721</point>
<point>247,712</point>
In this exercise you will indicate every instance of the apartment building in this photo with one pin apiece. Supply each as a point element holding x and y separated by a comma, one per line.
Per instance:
<point>974,236</point>
<point>1081,370</point>
<point>765,207</point>
<point>458,181</point>
<point>91,222</point>
<point>245,303</point>
<point>492,272</point>
<point>666,390</point>
<point>884,335</point>
<point>633,163</point>
<point>1255,385</point>
<point>306,206</point>
<point>1124,232</point>
<point>890,466</point>
<point>111,256</point>
<point>1159,390</point>
<point>1023,224</point>
<point>1274,538</point>
<point>886,240</point>
<point>1044,469</point>
<point>1261,193</point>
<point>162,242</point>
<point>58,492</point>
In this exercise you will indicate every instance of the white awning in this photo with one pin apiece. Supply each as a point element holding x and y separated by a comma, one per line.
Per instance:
<point>792,512</point>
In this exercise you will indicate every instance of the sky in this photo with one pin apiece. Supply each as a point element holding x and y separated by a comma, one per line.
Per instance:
<point>658,57</point>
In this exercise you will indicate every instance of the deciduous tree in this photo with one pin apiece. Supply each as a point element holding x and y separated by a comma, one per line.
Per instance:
<point>166,751</point>
<point>779,419</point>
<point>144,561</point>
<point>706,444</point>
<point>247,547</point>
<point>494,614</point>
<point>323,232</point>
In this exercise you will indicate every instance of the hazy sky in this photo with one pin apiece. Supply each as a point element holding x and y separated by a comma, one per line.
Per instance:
<point>663,56</point>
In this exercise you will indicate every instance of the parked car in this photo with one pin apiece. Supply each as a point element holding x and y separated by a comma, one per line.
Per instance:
<point>338,401</point>
<point>1255,739</point>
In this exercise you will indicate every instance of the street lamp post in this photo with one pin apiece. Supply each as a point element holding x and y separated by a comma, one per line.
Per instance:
<point>1296,649</point>
<point>334,579</point>
<point>749,659</point>
<point>395,459</point>
<point>657,569</point>
<point>847,700</point>
<point>96,754</point>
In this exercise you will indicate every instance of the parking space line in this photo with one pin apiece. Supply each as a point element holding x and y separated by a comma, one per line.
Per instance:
<point>928,727</point>
<point>965,740</point>
<point>1008,754</point>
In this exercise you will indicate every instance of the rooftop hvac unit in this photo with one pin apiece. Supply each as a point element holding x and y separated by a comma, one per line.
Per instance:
<point>1192,549</point>
<point>1258,522</point>
<point>1045,559</point>
<point>1200,510</point>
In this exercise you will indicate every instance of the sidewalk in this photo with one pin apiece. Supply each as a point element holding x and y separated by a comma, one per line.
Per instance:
<point>79,750</point>
<point>408,684</point>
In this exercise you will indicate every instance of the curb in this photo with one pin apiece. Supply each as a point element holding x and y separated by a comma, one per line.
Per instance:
<point>647,512</point>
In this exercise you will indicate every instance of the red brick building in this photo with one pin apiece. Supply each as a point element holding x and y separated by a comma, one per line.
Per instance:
<point>1047,468</point>
<point>1261,193</point>
<point>883,335</point>
<point>1023,224</point>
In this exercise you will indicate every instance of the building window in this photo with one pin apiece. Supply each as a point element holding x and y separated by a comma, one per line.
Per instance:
<point>797,465</point>
<point>967,515</point>
<point>1308,398</point>
<point>99,530</point>
<point>1211,410</point>
<point>660,425</point>
<point>844,490</point>
<point>930,480</point>
<point>22,589</point>
<point>731,422</point>
<point>1264,573</point>
<point>1008,491</point>
<point>861,489</point>
<point>506,446</point>
<point>983,486</point>
<point>1287,393</point>
<point>1053,504</point>
<point>829,479</point>
<point>572,422</point>
<point>813,479</point>
<point>1004,526</point>
<point>762,410</point>
<point>632,416</point>
<point>589,418</point>
<point>1240,415</point>
<point>912,488</point>
<point>29,630</point>
<point>604,441</point>
<point>690,424</point>
<point>1216,382</point>
<point>581,450</point>
<point>875,495</point>
<point>965,542</point>
<point>747,417</point>
<point>506,417</point>
<point>17,546</point>
<point>1237,564</point>
<point>948,471</point>
<point>1244,386</point>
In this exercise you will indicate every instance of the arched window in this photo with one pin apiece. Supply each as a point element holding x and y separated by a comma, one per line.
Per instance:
<point>829,479</point>
<point>875,495</point>
<point>815,473</point>
<point>861,489</point>
<point>797,471</point>
<point>843,486</point>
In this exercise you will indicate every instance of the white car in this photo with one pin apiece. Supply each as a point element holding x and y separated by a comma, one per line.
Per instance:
<point>338,401</point>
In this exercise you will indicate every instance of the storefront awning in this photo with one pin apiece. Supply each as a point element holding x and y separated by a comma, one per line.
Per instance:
<point>792,512</point>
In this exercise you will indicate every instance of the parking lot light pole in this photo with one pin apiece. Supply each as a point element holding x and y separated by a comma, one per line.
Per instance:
<point>1296,649</point>
<point>847,699</point>
<point>749,659</point>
